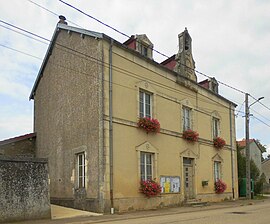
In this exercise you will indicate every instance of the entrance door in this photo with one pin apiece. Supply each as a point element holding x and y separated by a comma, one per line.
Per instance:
<point>188,165</point>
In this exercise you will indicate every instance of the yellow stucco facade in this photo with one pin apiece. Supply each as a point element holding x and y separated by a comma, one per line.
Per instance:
<point>168,146</point>
<point>110,139</point>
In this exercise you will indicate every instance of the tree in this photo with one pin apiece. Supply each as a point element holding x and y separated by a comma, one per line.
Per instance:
<point>254,171</point>
<point>262,148</point>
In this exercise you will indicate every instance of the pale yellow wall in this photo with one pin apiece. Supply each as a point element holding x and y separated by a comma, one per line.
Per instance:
<point>169,98</point>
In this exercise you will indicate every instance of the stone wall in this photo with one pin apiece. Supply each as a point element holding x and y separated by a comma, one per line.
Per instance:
<point>24,189</point>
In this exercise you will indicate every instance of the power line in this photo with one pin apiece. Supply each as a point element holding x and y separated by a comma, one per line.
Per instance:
<point>121,70</point>
<point>10,48</point>
<point>51,12</point>
<point>260,114</point>
<point>240,108</point>
<point>268,108</point>
<point>23,34</point>
<point>26,31</point>
<point>262,121</point>
<point>126,35</point>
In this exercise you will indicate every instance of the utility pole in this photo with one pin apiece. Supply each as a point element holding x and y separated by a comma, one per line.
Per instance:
<point>247,115</point>
<point>248,192</point>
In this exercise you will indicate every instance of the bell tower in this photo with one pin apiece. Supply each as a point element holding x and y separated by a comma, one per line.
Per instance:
<point>185,64</point>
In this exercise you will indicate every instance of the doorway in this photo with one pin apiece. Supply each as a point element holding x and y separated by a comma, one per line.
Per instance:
<point>188,166</point>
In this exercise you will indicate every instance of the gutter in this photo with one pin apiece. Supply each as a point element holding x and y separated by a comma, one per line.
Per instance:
<point>111,127</point>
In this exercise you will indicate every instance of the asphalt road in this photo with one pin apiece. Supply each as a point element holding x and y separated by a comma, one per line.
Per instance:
<point>250,214</point>
<point>230,212</point>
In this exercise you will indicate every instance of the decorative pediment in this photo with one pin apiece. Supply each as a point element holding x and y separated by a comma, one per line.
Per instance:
<point>215,114</point>
<point>187,103</point>
<point>146,86</point>
<point>147,147</point>
<point>144,39</point>
<point>189,153</point>
<point>217,157</point>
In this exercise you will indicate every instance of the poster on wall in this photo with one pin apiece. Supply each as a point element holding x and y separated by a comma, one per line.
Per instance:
<point>170,184</point>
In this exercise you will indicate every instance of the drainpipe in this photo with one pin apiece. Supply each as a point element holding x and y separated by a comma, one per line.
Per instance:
<point>111,127</point>
<point>231,146</point>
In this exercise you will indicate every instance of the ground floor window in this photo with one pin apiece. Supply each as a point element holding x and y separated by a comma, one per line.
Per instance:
<point>147,165</point>
<point>217,170</point>
<point>81,170</point>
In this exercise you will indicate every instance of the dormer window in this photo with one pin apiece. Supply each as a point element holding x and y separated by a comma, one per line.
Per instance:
<point>142,44</point>
<point>143,49</point>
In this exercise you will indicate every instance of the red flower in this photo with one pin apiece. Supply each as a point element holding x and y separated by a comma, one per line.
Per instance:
<point>150,188</point>
<point>220,186</point>
<point>190,135</point>
<point>149,124</point>
<point>219,142</point>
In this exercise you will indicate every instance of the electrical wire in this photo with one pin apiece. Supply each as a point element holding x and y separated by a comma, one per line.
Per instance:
<point>73,51</point>
<point>268,108</point>
<point>10,48</point>
<point>240,108</point>
<point>126,35</point>
<point>119,69</point>
<point>54,13</point>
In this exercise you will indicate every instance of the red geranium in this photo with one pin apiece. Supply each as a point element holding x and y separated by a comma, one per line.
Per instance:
<point>149,124</point>
<point>190,135</point>
<point>220,186</point>
<point>150,188</point>
<point>219,142</point>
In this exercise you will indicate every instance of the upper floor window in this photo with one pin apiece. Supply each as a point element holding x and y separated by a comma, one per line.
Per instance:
<point>215,124</point>
<point>145,104</point>
<point>186,118</point>
<point>147,165</point>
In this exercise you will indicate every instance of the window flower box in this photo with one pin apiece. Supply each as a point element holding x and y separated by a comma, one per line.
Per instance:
<point>219,142</point>
<point>190,135</point>
<point>220,186</point>
<point>149,124</point>
<point>150,188</point>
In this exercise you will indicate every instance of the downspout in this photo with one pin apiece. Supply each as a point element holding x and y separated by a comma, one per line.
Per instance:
<point>231,146</point>
<point>111,127</point>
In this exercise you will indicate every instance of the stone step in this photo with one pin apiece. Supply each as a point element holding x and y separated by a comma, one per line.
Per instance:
<point>195,203</point>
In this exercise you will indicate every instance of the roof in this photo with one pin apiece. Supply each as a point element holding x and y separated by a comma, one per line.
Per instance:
<point>266,160</point>
<point>104,36</point>
<point>18,138</point>
<point>242,143</point>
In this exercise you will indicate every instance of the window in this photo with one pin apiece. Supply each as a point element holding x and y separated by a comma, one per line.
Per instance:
<point>143,50</point>
<point>186,118</point>
<point>81,170</point>
<point>145,104</point>
<point>215,127</point>
<point>217,170</point>
<point>146,166</point>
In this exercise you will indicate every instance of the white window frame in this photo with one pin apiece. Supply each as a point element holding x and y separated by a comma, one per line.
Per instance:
<point>215,127</point>
<point>143,104</point>
<point>187,118</point>
<point>217,170</point>
<point>144,165</point>
<point>81,167</point>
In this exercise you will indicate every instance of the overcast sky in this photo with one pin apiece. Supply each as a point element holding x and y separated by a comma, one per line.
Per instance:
<point>230,41</point>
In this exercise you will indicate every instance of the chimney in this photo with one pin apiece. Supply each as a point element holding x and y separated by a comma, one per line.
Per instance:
<point>62,19</point>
